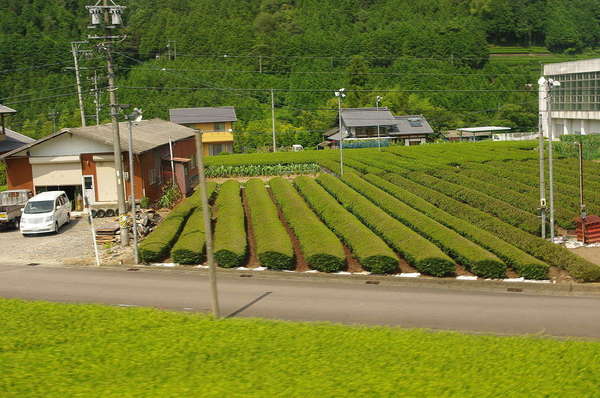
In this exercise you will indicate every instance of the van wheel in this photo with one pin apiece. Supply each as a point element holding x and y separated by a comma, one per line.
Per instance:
<point>17,223</point>
<point>56,228</point>
<point>68,219</point>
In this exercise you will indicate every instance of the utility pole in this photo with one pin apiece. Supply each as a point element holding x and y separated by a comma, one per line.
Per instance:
<point>111,13</point>
<point>542,183</point>
<point>212,271</point>
<point>273,119</point>
<point>582,210</point>
<point>341,94</point>
<point>377,101</point>
<point>135,116</point>
<point>260,63</point>
<point>53,115</point>
<point>96,93</point>
<point>75,50</point>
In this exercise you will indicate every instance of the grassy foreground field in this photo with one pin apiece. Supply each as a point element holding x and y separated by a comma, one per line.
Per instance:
<point>58,350</point>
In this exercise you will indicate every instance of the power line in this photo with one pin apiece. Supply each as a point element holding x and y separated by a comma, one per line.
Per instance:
<point>48,89</point>
<point>33,67</point>
<point>42,98</point>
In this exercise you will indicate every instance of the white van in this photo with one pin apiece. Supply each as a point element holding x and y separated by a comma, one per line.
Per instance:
<point>46,212</point>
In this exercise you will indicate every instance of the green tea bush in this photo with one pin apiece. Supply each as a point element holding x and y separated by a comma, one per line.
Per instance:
<point>156,246</point>
<point>321,248</point>
<point>475,258</point>
<point>371,252</point>
<point>273,243</point>
<point>551,253</point>
<point>231,245</point>
<point>190,247</point>
<point>418,251</point>
<point>512,256</point>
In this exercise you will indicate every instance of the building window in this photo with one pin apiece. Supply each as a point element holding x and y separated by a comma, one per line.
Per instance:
<point>153,176</point>
<point>215,149</point>
<point>577,92</point>
<point>219,126</point>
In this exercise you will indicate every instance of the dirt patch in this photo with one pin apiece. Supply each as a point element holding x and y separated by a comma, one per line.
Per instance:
<point>405,267</point>
<point>353,264</point>
<point>252,257</point>
<point>592,254</point>
<point>559,275</point>
<point>462,271</point>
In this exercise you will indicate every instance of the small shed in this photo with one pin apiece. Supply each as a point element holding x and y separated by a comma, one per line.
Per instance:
<point>588,229</point>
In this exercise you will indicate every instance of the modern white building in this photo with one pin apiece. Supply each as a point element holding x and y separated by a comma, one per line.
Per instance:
<point>575,107</point>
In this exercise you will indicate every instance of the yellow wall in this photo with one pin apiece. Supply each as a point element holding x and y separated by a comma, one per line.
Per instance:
<point>217,137</point>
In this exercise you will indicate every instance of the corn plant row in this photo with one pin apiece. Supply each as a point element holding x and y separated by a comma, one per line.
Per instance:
<point>273,243</point>
<point>220,171</point>
<point>519,218</point>
<point>370,251</point>
<point>156,246</point>
<point>475,258</point>
<point>525,264</point>
<point>418,251</point>
<point>322,250</point>
<point>231,245</point>
<point>550,253</point>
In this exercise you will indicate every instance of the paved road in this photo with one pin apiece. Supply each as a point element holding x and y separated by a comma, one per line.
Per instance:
<point>309,300</point>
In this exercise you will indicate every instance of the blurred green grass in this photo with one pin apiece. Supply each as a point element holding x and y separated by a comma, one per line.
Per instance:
<point>61,350</point>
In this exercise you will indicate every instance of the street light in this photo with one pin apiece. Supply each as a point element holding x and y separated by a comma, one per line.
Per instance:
<point>548,85</point>
<point>341,93</point>
<point>134,117</point>
<point>377,102</point>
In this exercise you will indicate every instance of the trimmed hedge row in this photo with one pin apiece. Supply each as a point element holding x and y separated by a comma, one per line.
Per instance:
<point>527,265</point>
<point>475,258</point>
<point>551,253</point>
<point>372,253</point>
<point>273,243</point>
<point>321,248</point>
<point>190,248</point>
<point>156,246</point>
<point>231,246</point>
<point>510,214</point>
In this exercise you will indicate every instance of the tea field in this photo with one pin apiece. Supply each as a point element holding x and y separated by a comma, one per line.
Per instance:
<point>440,210</point>
<point>60,350</point>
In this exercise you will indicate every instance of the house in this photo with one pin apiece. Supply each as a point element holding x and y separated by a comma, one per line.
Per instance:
<point>361,125</point>
<point>477,133</point>
<point>80,162</point>
<point>215,122</point>
<point>576,102</point>
<point>10,140</point>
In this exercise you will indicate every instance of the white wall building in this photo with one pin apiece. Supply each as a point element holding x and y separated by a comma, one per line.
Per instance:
<point>575,107</point>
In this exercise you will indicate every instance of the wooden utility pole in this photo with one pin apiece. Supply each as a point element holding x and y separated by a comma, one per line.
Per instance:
<point>75,50</point>
<point>212,271</point>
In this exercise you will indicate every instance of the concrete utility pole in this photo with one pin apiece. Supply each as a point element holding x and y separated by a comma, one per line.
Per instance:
<point>53,115</point>
<point>542,182</point>
<point>135,116</point>
<point>75,50</point>
<point>111,13</point>
<point>341,94</point>
<point>212,271</point>
<point>377,101</point>
<point>273,119</point>
<point>96,97</point>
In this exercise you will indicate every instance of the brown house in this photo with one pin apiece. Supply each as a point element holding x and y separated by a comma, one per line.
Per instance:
<point>80,161</point>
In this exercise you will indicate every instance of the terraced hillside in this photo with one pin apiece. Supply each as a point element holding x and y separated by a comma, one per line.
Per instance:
<point>440,210</point>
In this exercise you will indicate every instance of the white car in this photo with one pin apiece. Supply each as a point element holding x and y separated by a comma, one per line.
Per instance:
<point>46,212</point>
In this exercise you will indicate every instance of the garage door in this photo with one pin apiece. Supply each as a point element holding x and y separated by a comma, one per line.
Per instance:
<point>107,182</point>
<point>56,172</point>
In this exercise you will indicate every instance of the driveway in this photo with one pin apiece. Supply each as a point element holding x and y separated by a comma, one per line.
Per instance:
<point>73,244</point>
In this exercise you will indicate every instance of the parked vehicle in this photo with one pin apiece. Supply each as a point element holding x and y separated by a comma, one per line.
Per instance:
<point>11,206</point>
<point>46,212</point>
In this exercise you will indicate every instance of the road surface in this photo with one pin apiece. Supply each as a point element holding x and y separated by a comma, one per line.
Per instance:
<point>311,300</point>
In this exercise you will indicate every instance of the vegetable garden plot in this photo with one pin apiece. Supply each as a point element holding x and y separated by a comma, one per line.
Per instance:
<point>273,244</point>
<point>475,258</point>
<point>372,253</point>
<point>321,248</point>
<point>514,257</point>
<point>231,245</point>
<point>156,246</point>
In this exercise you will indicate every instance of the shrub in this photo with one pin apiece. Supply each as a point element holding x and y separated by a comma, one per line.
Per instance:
<point>230,231</point>
<point>273,243</point>
<point>190,247</point>
<point>419,252</point>
<point>321,248</point>
<point>170,196</point>
<point>372,252</point>
<point>473,257</point>
<point>513,256</point>
<point>155,247</point>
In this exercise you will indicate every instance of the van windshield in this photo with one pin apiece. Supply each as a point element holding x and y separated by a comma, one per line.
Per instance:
<point>41,206</point>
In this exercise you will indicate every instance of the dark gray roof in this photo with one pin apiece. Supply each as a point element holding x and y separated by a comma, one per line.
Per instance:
<point>366,117</point>
<point>203,115</point>
<point>413,124</point>
<point>6,109</point>
<point>14,140</point>
<point>147,135</point>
